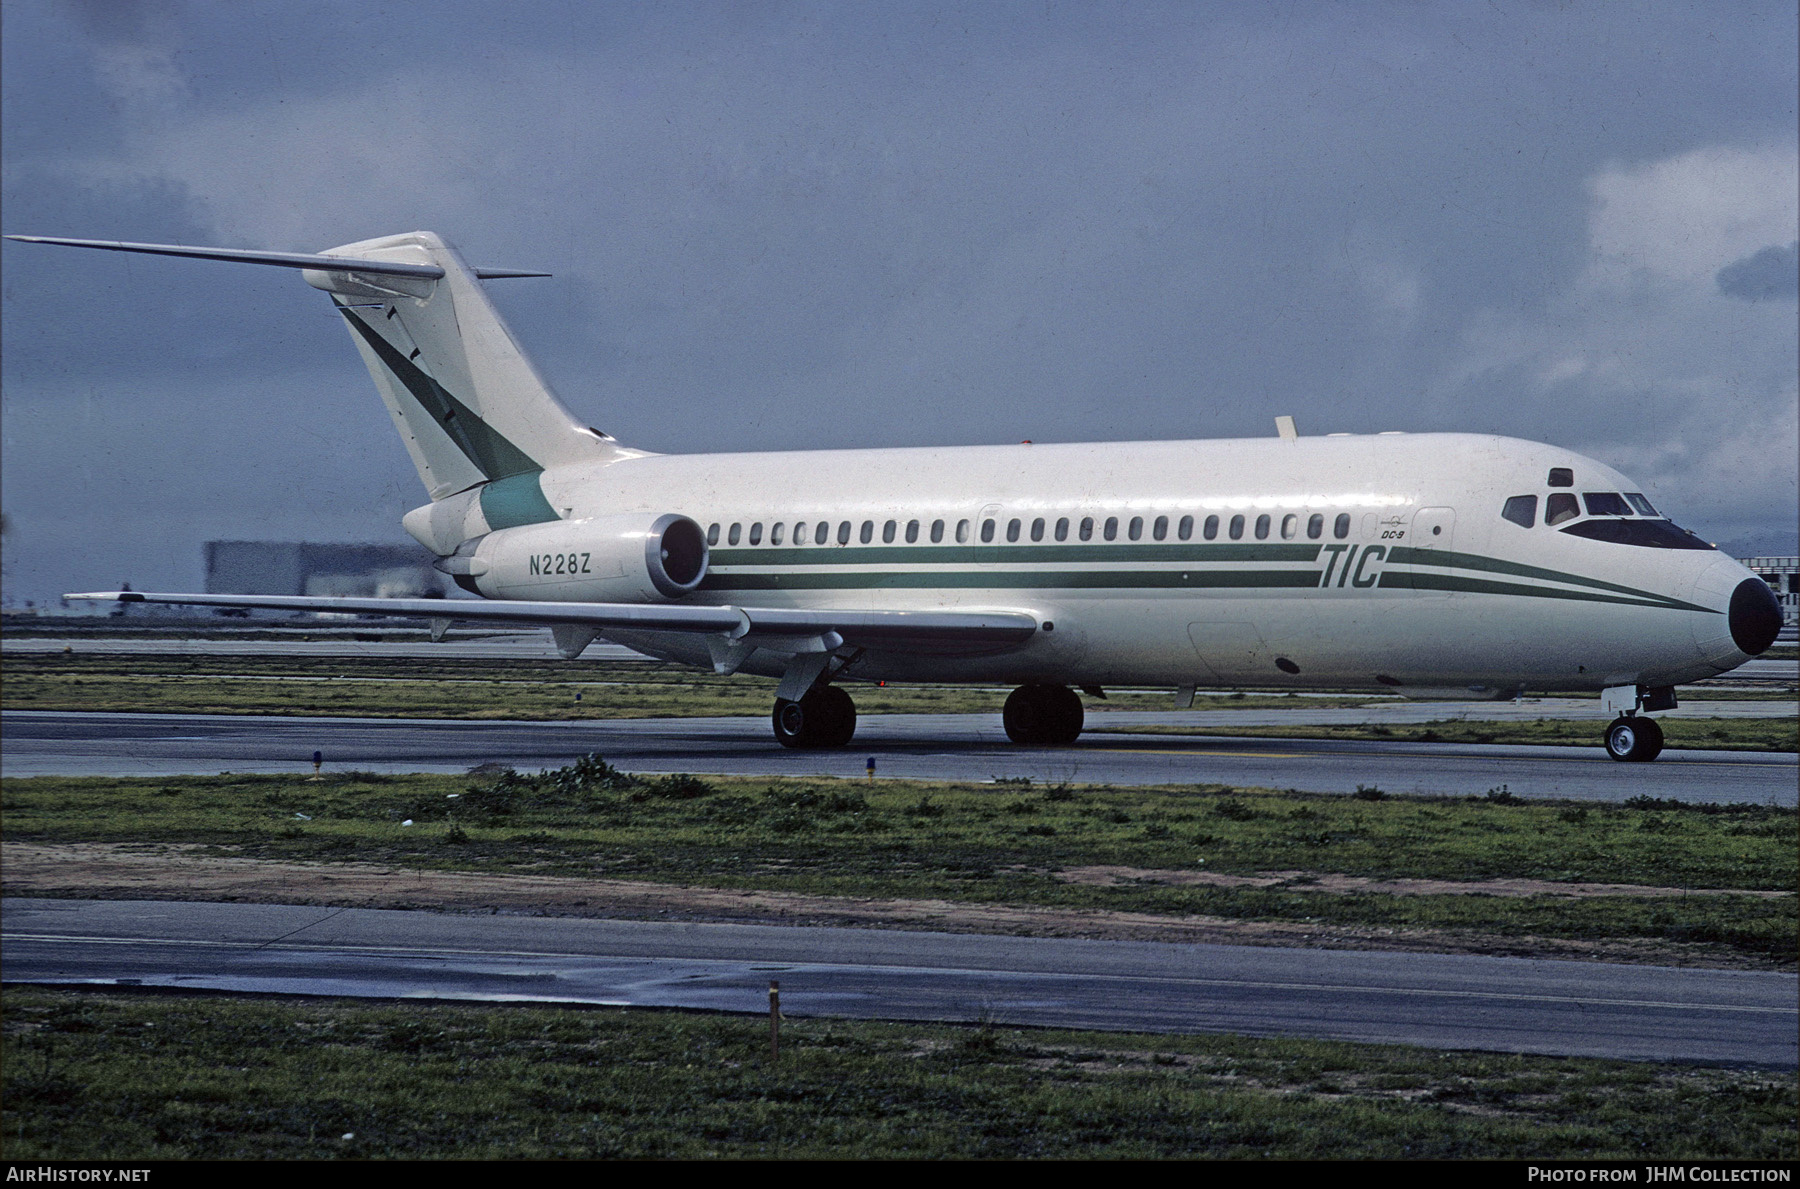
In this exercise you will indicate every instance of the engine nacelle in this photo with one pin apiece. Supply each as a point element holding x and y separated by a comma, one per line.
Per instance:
<point>608,559</point>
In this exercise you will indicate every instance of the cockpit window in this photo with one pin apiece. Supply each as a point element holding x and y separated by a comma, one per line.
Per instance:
<point>1641,504</point>
<point>1561,477</point>
<point>1606,503</point>
<point>1521,510</point>
<point>1559,507</point>
<point>1655,534</point>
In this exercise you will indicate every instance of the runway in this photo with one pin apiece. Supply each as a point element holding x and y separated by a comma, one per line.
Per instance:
<point>1441,1001</point>
<point>960,748</point>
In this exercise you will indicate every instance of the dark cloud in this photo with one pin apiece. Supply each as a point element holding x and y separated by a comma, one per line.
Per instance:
<point>1769,275</point>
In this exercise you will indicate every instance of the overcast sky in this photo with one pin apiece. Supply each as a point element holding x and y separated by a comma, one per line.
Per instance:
<point>778,226</point>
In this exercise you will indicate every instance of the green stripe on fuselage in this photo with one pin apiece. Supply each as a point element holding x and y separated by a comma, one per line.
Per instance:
<point>1395,575</point>
<point>1402,580</point>
<point>1015,579</point>
<point>856,555</point>
<point>1403,555</point>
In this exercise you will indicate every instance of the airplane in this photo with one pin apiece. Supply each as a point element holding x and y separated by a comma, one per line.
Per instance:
<point>1391,562</point>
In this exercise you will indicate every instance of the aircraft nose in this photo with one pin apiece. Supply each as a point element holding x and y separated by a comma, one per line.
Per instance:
<point>1755,616</point>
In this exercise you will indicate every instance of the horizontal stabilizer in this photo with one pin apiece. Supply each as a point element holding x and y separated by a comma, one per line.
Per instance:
<point>323,263</point>
<point>894,630</point>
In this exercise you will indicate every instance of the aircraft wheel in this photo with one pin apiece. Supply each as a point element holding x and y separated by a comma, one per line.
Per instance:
<point>1043,714</point>
<point>838,715</point>
<point>790,723</point>
<point>825,717</point>
<point>1634,739</point>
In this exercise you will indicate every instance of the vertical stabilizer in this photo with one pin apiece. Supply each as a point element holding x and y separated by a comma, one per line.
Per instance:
<point>467,402</point>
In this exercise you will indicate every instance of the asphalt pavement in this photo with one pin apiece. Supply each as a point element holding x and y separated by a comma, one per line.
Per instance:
<point>1435,1000</point>
<point>950,747</point>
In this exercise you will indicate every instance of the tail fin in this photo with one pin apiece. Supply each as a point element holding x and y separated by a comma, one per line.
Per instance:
<point>469,405</point>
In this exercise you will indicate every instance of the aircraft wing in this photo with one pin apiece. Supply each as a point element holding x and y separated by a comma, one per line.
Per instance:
<point>901,631</point>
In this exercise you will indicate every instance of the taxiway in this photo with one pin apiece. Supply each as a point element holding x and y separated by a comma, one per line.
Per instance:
<point>959,748</point>
<point>1442,1001</point>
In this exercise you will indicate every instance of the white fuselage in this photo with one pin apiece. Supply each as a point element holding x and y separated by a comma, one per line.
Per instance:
<point>1378,560</point>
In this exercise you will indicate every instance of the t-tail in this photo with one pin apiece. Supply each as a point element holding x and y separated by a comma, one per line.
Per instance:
<point>478,420</point>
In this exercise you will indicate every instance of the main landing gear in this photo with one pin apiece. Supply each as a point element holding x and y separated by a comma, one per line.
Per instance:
<point>823,717</point>
<point>1634,739</point>
<point>1043,715</point>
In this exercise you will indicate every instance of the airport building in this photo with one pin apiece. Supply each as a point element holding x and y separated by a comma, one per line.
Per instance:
<point>305,568</point>
<point>1783,576</point>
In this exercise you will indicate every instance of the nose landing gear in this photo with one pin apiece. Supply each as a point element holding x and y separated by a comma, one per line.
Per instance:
<point>1634,739</point>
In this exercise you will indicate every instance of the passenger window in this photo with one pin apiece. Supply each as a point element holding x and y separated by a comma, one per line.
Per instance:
<point>937,531</point>
<point>962,532</point>
<point>800,532</point>
<point>1605,503</point>
<point>868,532</point>
<point>712,534</point>
<point>822,534</point>
<point>1062,528</point>
<point>843,532</point>
<point>731,537</point>
<point>756,533</point>
<point>1521,510</point>
<point>1290,527</point>
<point>1087,528</point>
<point>775,532</point>
<point>1111,530</point>
<point>1237,528</point>
<point>1136,528</point>
<point>1561,477</point>
<point>912,530</point>
<point>987,531</point>
<point>1212,528</point>
<point>1341,527</point>
<point>1641,504</point>
<point>1160,529</point>
<point>1012,529</point>
<point>1315,525</point>
<point>1559,507</point>
<point>1262,527</point>
<point>1185,529</point>
<point>887,532</point>
<point>1037,529</point>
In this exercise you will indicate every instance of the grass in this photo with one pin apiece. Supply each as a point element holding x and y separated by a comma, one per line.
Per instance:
<point>456,688</point>
<point>472,689</point>
<point>1011,844</point>
<point>114,1076</point>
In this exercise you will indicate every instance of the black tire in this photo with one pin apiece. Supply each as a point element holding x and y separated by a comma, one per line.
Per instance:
<point>1041,715</point>
<point>1634,739</point>
<point>837,714</point>
<point>789,722</point>
<point>824,717</point>
<point>1069,715</point>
